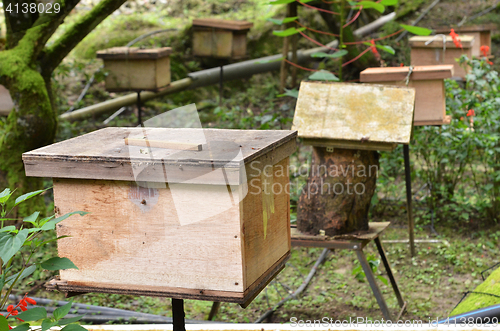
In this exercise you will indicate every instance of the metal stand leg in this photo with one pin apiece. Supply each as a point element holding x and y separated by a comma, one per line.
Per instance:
<point>139,109</point>
<point>214,310</point>
<point>387,266</point>
<point>178,315</point>
<point>371,280</point>
<point>221,82</point>
<point>406,152</point>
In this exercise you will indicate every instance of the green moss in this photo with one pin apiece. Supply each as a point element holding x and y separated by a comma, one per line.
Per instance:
<point>477,301</point>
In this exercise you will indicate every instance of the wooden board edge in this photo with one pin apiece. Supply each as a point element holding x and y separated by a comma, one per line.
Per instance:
<point>349,144</point>
<point>256,287</point>
<point>446,120</point>
<point>243,298</point>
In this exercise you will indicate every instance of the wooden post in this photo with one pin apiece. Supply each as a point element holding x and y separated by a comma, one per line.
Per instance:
<point>337,196</point>
<point>286,42</point>
<point>293,13</point>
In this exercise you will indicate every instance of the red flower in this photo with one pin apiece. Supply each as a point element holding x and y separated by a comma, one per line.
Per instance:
<point>462,118</point>
<point>23,308</point>
<point>455,38</point>
<point>490,63</point>
<point>485,50</point>
<point>14,312</point>
<point>471,112</point>
<point>9,308</point>
<point>402,65</point>
<point>23,303</point>
<point>33,302</point>
<point>374,49</point>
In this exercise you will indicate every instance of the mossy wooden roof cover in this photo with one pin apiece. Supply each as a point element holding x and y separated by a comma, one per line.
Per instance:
<point>358,116</point>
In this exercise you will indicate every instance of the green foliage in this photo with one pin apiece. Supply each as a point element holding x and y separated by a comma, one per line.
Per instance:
<point>335,55</point>
<point>370,4</point>
<point>323,75</point>
<point>374,263</point>
<point>288,32</point>
<point>25,243</point>
<point>419,31</point>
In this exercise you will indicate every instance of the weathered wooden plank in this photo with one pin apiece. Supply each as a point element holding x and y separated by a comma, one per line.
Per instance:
<point>163,144</point>
<point>393,74</point>
<point>103,245</point>
<point>133,53</point>
<point>242,298</point>
<point>82,157</point>
<point>222,24</point>
<point>266,240</point>
<point>437,42</point>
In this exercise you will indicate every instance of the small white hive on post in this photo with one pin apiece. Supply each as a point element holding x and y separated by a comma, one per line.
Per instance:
<point>182,213</point>
<point>481,34</point>
<point>428,81</point>
<point>136,69</point>
<point>430,50</point>
<point>220,38</point>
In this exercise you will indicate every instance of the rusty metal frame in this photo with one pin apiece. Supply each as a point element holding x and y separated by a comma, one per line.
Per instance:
<point>358,245</point>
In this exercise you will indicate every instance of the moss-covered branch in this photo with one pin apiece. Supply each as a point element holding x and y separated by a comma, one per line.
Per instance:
<point>79,30</point>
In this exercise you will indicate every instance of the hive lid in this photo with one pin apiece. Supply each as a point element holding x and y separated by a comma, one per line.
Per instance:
<point>356,116</point>
<point>222,24</point>
<point>400,73</point>
<point>420,41</point>
<point>470,28</point>
<point>124,53</point>
<point>172,155</point>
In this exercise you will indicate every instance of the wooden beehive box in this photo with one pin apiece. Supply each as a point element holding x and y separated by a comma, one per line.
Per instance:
<point>136,69</point>
<point>481,34</point>
<point>169,219</point>
<point>354,116</point>
<point>434,54</point>
<point>6,104</point>
<point>428,81</point>
<point>220,38</point>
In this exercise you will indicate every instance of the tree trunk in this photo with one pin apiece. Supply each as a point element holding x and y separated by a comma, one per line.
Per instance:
<point>31,125</point>
<point>338,192</point>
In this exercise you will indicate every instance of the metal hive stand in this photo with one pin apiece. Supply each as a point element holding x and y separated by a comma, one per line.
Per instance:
<point>357,242</point>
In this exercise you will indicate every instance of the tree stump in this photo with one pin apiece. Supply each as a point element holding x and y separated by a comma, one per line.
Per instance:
<point>338,192</point>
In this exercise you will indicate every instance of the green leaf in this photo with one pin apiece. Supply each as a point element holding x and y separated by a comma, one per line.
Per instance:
<point>416,30</point>
<point>47,324</point>
<point>58,263</point>
<point>383,280</point>
<point>4,325</point>
<point>294,93</point>
<point>27,196</point>
<point>51,225</point>
<point>21,327</point>
<point>389,2</point>
<point>385,48</point>
<point>32,218</point>
<point>280,2</point>
<point>333,56</point>
<point>5,195</point>
<point>288,32</point>
<point>282,21</point>
<point>33,314</point>
<point>323,75</point>
<point>73,327</point>
<point>11,244</point>
<point>26,273</point>
<point>70,320</point>
<point>370,4</point>
<point>62,311</point>
<point>8,228</point>
<point>53,239</point>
